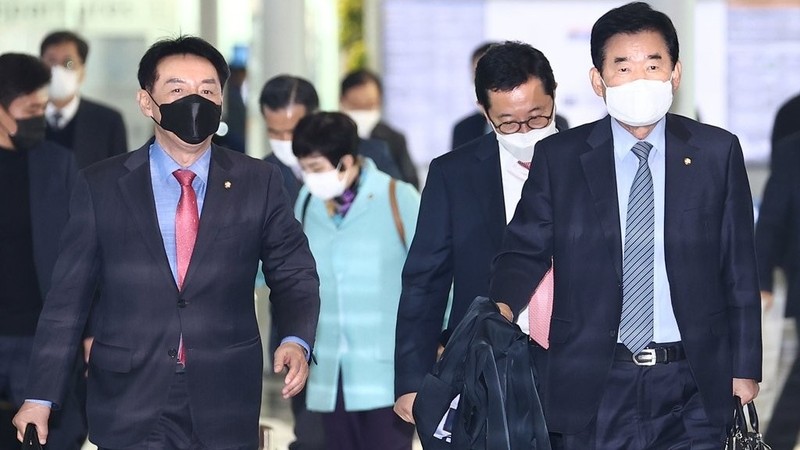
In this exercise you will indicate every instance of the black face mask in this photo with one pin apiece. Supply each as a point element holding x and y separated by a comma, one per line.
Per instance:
<point>192,118</point>
<point>30,133</point>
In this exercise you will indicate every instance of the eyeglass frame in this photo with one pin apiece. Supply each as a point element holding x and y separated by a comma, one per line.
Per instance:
<point>499,128</point>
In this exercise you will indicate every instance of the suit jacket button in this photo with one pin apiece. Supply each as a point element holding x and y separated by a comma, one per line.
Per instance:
<point>181,303</point>
<point>173,352</point>
<point>612,333</point>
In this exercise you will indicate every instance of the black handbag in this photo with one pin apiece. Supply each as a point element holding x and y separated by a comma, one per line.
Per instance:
<point>740,436</point>
<point>31,439</point>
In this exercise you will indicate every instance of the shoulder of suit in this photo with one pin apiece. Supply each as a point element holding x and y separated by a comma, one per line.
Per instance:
<point>481,147</point>
<point>101,110</point>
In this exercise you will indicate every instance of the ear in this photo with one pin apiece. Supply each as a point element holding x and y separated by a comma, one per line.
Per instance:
<point>7,123</point>
<point>146,104</point>
<point>676,76</point>
<point>348,161</point>
<point>597,82</point>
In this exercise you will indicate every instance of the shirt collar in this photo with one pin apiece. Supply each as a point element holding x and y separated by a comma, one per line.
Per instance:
<point>165,165</point>
<point>624,140</point>
<point>67,112</point>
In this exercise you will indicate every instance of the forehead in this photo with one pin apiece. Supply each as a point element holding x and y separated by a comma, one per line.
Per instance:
<point>284,118</point>
<point>634,47</point>
<point>61,50</point>
<point>186,67</point>
<point>366,91</point>
<point>530,94</point>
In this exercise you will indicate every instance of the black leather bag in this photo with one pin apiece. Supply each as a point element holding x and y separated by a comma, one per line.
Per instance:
<point>31,439</point>
<point>741,436</point>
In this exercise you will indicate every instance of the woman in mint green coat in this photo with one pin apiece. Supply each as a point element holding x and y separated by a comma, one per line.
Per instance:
<point>359,222</point>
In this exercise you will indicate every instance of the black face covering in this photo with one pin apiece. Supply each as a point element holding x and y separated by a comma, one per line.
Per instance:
<point>30,132</point>
<point>192,118</point>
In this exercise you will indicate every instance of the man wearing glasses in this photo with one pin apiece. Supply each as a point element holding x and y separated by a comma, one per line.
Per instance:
<point>470,195</point>
<point>92,131</point>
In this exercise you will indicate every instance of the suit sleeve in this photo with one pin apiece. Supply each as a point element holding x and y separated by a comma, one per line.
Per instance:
<point>288,267</point>
<point>527,246</point>
<point>427,277</point>
<point>68,301</point>
<point>739,273</point>
<point>774,221</point>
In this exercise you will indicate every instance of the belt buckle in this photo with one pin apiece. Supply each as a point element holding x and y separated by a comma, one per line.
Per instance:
<point>645,358</point>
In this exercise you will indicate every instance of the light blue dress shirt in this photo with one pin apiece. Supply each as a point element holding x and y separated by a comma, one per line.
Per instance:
<point>665,327</point>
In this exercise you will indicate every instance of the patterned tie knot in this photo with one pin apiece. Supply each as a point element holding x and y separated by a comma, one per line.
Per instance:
<point>185,177</point>
<point>642,149</point>
<point>524,164</point>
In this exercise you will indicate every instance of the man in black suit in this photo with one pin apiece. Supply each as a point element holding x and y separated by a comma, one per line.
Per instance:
<point>647,221</point>
<point>778,246</point>
<point>787,122</point>
<point>284,100</point>
<point>172,235</point>
<point>36,177</point>
<point>92,131</point>
<point>361,98</point>
<point>475,125</point>
<point>469,197</point>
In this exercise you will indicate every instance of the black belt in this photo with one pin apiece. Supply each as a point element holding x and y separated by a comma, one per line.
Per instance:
<point>652,355</point>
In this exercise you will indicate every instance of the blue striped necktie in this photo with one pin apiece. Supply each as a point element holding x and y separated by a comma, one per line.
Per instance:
<point>636,325</point>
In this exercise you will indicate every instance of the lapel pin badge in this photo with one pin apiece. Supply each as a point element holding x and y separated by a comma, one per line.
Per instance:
<point>227,185</point>
<point>687,161</point>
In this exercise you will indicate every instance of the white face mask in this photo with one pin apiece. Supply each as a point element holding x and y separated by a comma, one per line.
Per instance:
<point>324,185</point>
<point>63,83</point>
<point>365,120</point>
<point>283,151</point>
<point>639,103</point>
<point>521,145</point>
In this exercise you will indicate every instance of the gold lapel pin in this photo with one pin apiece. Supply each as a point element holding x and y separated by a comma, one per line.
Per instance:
<point>227,185</point>
<point>687,161</point>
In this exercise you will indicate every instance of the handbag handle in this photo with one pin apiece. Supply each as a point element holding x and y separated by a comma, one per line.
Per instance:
<point>740,422</point>
<point>30,440</point>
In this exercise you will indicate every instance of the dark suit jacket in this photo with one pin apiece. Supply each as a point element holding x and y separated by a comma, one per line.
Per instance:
<point>52,172</point>
<point>778,229</point>
<point>398,150</point>
<point>459,230</point>
<point>374,149</point>
<point>113,239</point>
<point>99,133</point>
<point>474,126</point>
<point>569,212</point>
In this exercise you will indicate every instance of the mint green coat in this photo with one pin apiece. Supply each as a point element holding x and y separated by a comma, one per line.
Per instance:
<point>360,263</point>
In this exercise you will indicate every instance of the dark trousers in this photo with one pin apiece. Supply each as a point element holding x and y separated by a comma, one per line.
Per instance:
<point>308,429</point>
<point>173,430</point>
<point>376,429</point>
<point>656,407</point>
<point>784,425</point>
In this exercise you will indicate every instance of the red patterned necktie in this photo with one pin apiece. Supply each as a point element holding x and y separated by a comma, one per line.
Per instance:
<point>540,310</point>
<point>186,222</point>
<point>524,164</point>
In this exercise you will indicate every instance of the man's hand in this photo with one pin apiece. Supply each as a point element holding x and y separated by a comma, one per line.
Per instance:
<point>746,389</point>
<point>767,299</point>
<point>292,356</point>
<point>32,413</point>
<point>505,310</point>
<point>404,405</point>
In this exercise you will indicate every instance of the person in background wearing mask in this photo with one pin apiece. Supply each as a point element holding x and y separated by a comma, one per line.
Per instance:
<point>284,100</point>
<point>469,197</point>
<point>92,131</point>
<point>647,222</point>
<point>475,125</point>
<point>361,98</point>
<point>172,234</point>
<point>355,217</point>
<point>36,177</point>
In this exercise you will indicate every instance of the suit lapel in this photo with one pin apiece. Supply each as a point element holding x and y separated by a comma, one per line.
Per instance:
<point>682,160</point>
<point>598,168</point>
<point>137,193</point>
<point>487,184</point>
<point>216,204</point>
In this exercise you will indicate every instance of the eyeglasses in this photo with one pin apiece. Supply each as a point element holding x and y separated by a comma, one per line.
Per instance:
<point>69,64</point>
<point>534,123</point>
